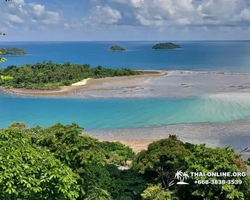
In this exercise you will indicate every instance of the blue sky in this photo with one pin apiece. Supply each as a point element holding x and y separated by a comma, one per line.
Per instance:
<point>88,20</point>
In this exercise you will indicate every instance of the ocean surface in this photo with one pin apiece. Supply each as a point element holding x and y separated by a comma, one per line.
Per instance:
<point>93,114</point>
<point>205,55</point>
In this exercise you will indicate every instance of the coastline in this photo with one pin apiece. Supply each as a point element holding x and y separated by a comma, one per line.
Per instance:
<point>234,134</point>
<point>151,84</point>
<point>88,83</point>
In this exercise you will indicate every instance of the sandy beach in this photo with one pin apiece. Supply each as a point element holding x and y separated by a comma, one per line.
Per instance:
<point>151,84</point>
<point>89,83</point>
<point>176,84</point>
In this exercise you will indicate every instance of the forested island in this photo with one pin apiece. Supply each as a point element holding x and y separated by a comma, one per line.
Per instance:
<point>166,46</point>
<point>117,48</point>
<point>49,75</point>
<point>12,51</point>
<point>59,162</point>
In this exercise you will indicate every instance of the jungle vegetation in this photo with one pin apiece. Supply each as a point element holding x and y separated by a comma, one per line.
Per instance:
<point>49,75</point>
<point>60,162</point>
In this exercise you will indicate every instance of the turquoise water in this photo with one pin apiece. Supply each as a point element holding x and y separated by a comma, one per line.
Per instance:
<point>126,113</point>
<point>119,113</point>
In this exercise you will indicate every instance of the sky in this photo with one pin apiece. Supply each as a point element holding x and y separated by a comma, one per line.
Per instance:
<point>129,20</point>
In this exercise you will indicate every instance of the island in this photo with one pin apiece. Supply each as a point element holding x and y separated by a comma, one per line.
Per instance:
<point>51,76</point>
<point>117,48</point>
<point>166,46</point>
<point>12,51</point>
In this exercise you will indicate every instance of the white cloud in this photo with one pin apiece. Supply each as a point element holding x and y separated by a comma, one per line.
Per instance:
<point>22,15</point>
<point>15,19</point>
<point>164,13</point>
<point>105,14</point>
<point>245,14</point>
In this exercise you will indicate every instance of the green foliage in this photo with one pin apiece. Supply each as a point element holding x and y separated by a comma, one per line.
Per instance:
<point>204,159</point>
<point>166,46</point>
<point>125,184</point>
<point>60,162</point>
<point>248,161</point>
<point>12,51</point>
<point>6,78</point>
<point>117,153</point>
<point>18,125</point>
<point>32,173</point>
<point>80,152</point>
<point>2,59</point>
<point>49,75</point>
<point>156,193</point>
<point>161,160</point>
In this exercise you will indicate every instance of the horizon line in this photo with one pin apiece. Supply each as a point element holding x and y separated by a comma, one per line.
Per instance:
<point>120,40</point>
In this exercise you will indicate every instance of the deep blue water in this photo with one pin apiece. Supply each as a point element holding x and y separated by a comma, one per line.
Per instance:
<point>221,56</point>
<point>125,113</point>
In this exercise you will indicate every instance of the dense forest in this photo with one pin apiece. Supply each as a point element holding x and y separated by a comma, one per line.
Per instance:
<point>166,46</point>
<point>12,51</point>
<point>49,75</point>
<point>61,163</point>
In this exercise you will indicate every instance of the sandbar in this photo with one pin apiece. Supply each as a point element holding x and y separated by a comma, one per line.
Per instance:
<point>88,83</point>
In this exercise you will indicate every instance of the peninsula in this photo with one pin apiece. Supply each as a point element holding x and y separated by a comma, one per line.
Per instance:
<point>117,48</point>
<point>50,76</point>
<point>166,46</point>
<point>12,51</point>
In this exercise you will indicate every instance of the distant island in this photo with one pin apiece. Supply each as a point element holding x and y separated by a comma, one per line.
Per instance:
<point>117,48</point>
<point>12,51</point>
<point>166,46</point>
<point>51,76</point>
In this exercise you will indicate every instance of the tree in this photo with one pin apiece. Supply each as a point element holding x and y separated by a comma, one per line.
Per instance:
<point>32,173</point>
<point>81,153</point>
<point>157,193</point>
<point>117,153</point>
<point>162,160</point>
<point>18,125</point>
<point>49,75</point>
<point>125,184</point>
<point>204,159</point>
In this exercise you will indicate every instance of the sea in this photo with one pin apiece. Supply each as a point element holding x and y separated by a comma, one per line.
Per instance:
<point>119,113</point>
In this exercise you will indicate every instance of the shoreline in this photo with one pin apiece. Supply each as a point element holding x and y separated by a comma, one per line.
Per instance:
<point>88,83</point>
<point>150,84</point>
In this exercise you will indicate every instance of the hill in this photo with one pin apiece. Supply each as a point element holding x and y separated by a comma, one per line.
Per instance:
<point>166,46</point>
<point>13,51</point>
<point>117,48</point>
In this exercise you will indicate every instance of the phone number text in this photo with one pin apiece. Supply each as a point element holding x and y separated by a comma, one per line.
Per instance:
<point>218,182</point>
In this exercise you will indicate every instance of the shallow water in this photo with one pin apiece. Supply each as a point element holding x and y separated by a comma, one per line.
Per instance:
<point>189,105</point>
<point>120,113</point>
